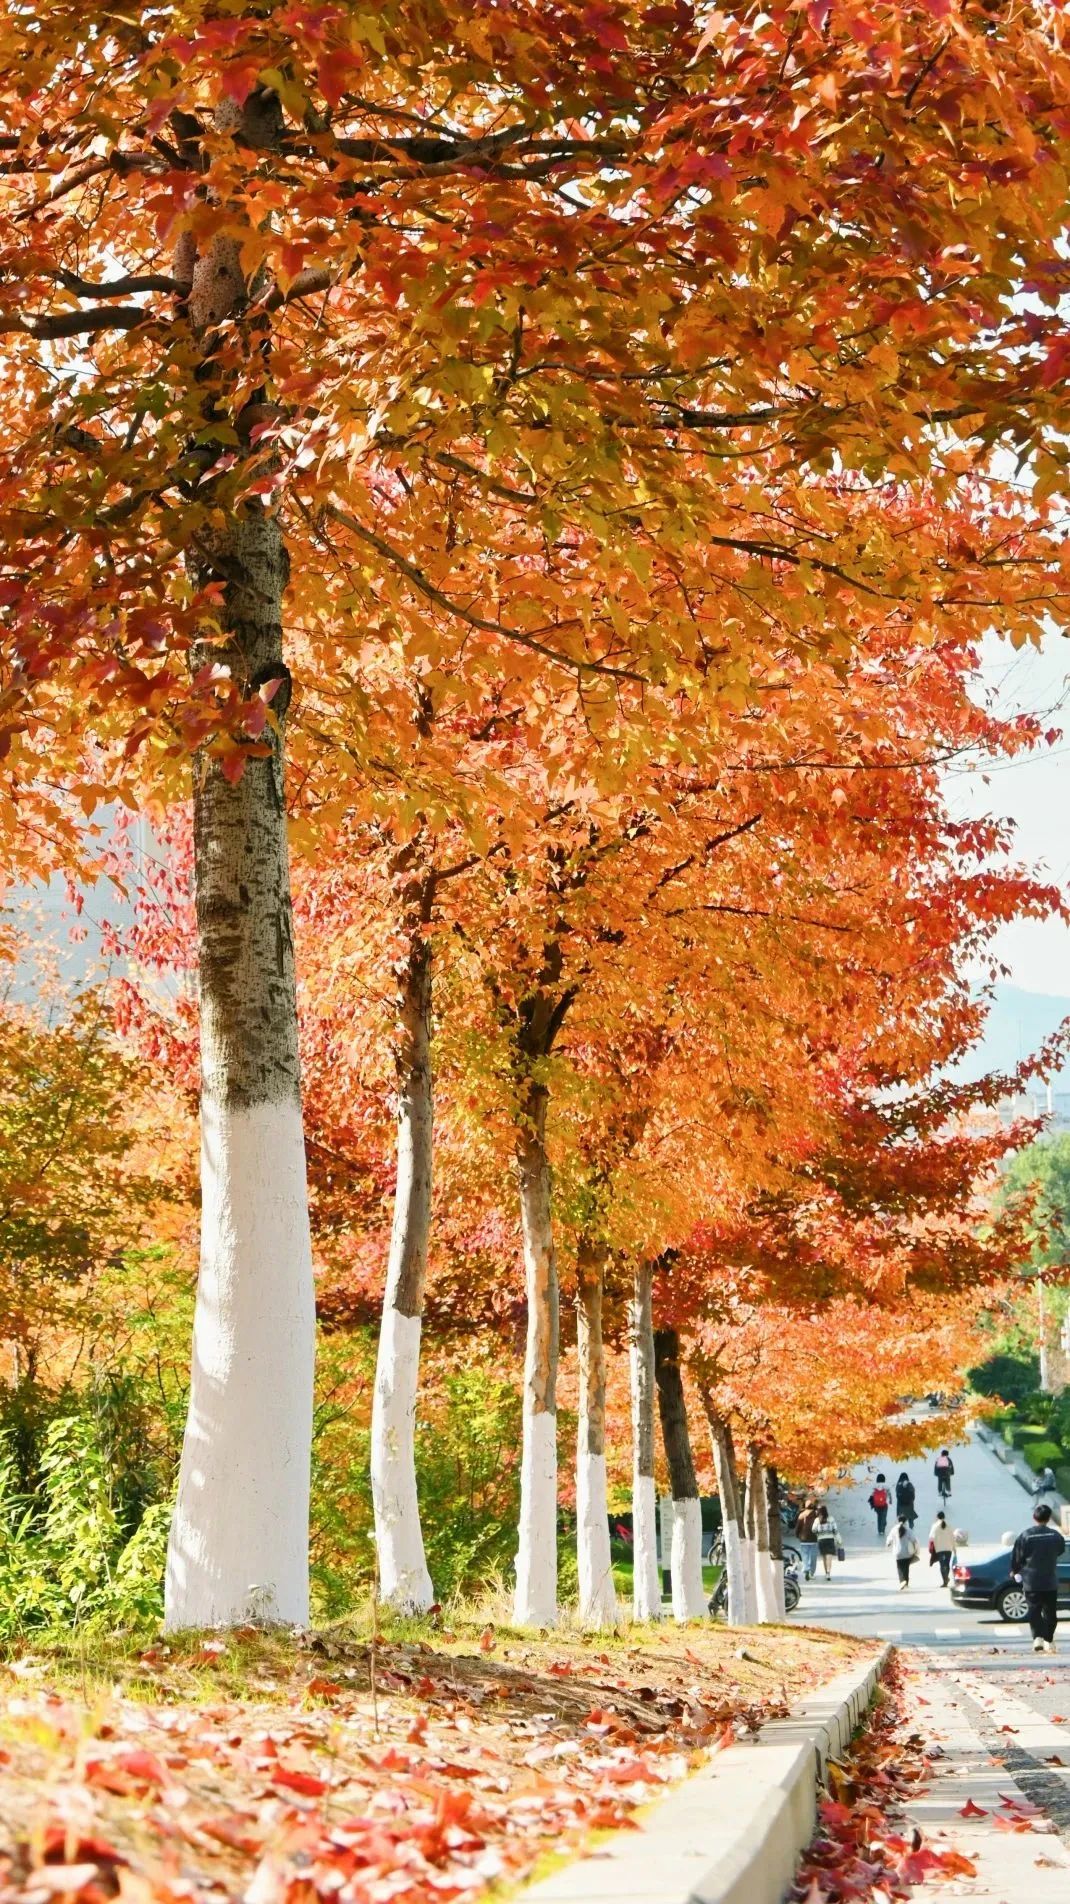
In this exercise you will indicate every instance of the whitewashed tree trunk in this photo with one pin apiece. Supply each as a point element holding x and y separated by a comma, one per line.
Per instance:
<point>238,1547</point>
<point>776,1537</point>
<point>764,1576</point>
<point>404,1581</point>
<point>740,1608</point>
<point>535,1602</point>
<point>646,1580</point>
<point>598,1597</point>
<point>688,1593</point>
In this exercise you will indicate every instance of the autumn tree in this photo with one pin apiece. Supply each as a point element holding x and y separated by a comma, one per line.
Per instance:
<point>600,339</point>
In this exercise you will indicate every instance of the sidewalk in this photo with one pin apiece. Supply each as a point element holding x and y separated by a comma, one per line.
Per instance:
<point>994,1757</point>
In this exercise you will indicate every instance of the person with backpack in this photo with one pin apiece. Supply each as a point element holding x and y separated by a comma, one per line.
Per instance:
<point>1035,1562</point>
<point>941,1547</point>
<point>880,1500</point>
<point>905,1548</point>
<point>827,1536</point>
<point>804,1530</point>
<point>943,1468</point>
<point>905,1499</point>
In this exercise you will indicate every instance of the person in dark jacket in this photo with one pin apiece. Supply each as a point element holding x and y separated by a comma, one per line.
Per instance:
<point>943,1468</point>
<point>1035,1561</point>
<point>905,1509</point>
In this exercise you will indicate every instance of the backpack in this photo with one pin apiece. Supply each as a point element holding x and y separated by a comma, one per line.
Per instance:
<point>879,1497</point>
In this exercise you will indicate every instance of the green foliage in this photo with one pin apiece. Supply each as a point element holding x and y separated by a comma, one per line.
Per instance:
<point>1042,1454</point>
<point>1042,1172</point>
<point>1062,1480</point>
<point>467,1471</point>
<point>1011,1377</point>
<point>67,1559</point>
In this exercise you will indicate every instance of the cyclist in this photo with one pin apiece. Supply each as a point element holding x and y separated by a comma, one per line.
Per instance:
<point>943,1468</point>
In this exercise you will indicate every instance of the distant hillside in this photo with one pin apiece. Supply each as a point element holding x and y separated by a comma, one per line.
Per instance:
<point>1018,1022</point>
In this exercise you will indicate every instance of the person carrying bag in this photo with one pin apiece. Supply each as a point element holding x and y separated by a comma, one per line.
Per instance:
<point>905,1548</point>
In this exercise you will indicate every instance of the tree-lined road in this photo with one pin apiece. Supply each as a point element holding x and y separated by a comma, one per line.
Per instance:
<point>863,1596</point>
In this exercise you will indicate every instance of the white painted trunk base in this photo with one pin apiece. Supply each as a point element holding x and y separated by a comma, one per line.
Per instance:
<point>737,1588</point>
<point>404,1581</point>
<point>646,1578</point>
<point>598,1595</point>
<point>748,1554</point>
<point>238,1549</point>
<point>535,1601</point>
<point>766,1570</point>
<point>688,1594</point>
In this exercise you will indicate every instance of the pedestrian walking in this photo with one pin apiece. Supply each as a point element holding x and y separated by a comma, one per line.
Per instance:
<point>804,1529</point>
<point>1045,1486</point>
<point>905,1499</point>
<point>941,1547</point>
<point>1035,1562</point>
<point>944,1469</point>
<point>827,1535</point>
<point>905,1548</point>
<point>880,1501</point>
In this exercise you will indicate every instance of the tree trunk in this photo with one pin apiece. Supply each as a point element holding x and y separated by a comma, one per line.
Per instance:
<point>740,1613</point>
<point>646,1581</point>
<point>535,1602</point>
<point>758,1503</point>
<point>776,1536</point>
<point>688,1593</point>
<point>598,1597</point>
<point>404,1581</point>
<point>239,1538</point>
<point>238,1547</point>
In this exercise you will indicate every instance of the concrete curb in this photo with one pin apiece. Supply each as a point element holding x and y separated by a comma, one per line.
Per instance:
<point>732,1833</point>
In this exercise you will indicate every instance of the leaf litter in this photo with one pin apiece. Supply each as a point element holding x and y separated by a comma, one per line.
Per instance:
<point>331,1771</point>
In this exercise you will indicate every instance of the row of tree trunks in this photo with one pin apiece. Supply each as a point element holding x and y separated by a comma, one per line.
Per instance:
<point>688,1593</point>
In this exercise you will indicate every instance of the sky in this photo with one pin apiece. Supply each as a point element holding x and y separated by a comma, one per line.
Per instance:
<point>1033,791</point>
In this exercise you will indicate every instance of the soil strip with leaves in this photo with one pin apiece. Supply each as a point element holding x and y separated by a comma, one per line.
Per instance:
<point>356,1773</point>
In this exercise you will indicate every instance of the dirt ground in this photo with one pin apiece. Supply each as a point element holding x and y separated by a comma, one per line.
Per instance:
<point>285,1771</point>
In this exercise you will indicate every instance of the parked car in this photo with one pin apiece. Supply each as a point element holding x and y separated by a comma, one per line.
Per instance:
<point>987,1582</point>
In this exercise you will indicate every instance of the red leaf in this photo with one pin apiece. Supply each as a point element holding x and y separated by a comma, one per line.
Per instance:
<point>304,1782</point>
<point>970,1810</point>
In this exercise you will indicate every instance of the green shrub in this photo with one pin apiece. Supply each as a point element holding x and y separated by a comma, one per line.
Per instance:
<point>67,1559</point>
<point>1042,1454</point>
<point>1011,1377</point>
<point>1062,1481</point>
<point>1023,1434</point>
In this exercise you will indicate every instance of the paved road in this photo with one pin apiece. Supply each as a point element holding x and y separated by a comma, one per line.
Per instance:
<point>863,1596</point>
<point>996,1716</point>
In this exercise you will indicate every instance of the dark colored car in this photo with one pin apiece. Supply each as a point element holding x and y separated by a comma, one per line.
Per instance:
<point>988,1583</point>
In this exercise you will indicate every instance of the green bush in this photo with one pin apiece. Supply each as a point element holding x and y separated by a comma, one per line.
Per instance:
<point>67,1558</point>
<point>1011,1377</point>
<point>1022,1435</point>
<point>1062,1480</point>
<point>1042,1454</point>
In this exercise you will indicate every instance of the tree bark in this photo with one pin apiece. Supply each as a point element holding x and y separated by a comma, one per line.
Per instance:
<point>404,1581</point>
<point>598,1597</point>
<point>758,1503</point>
<point>535,1602</point>
<point>238,1547</point>
<point>646,1580</point>
<point>688,1593</point>
<point>239,1538</point>
<point>740,1613</point>
<point>776,1535</point>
